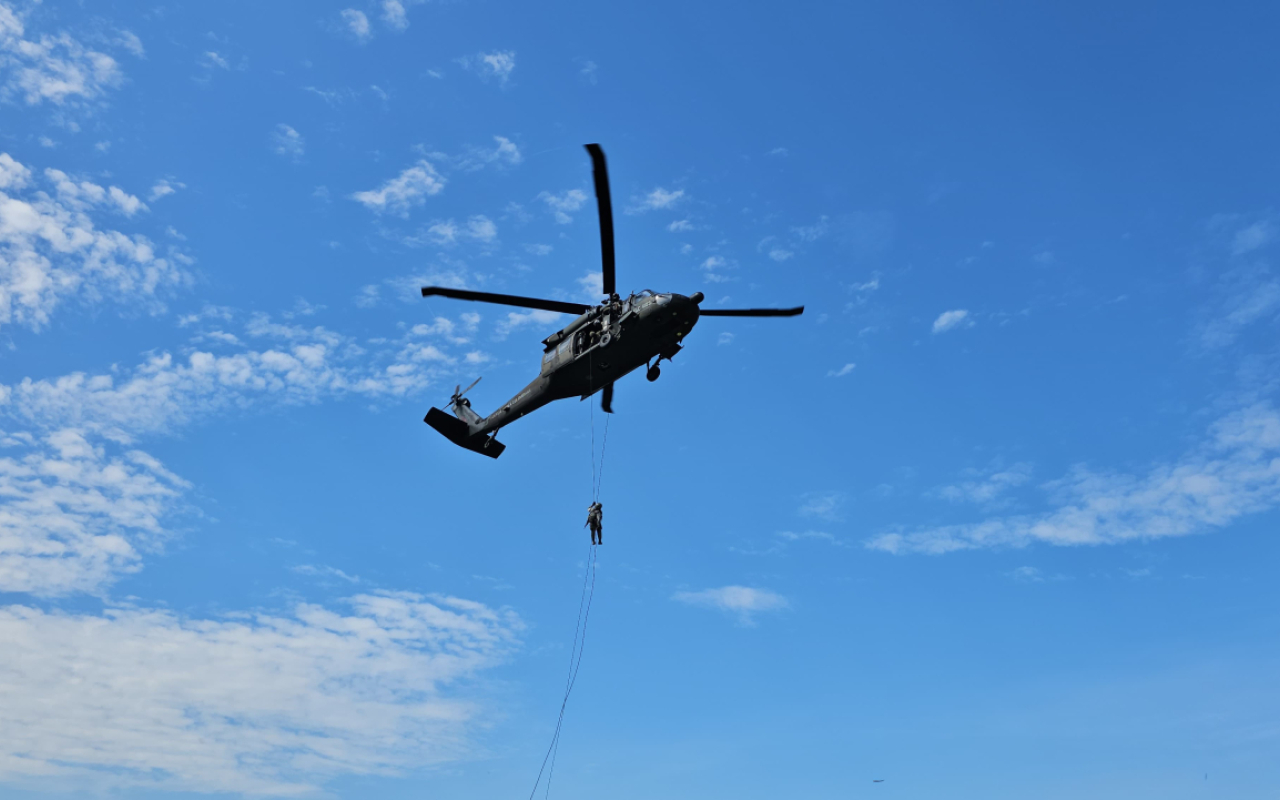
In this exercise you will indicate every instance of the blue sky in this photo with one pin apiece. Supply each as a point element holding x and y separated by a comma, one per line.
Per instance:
<point>995,518</point>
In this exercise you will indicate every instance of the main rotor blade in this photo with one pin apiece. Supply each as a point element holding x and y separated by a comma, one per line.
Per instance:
<point>606,398</point>
<point>507,300</point>
<point>751,312</point>
<point>600,174</point>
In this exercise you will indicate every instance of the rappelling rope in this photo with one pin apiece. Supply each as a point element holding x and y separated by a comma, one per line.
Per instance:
<point>603,445</point>
<point>575,663</point>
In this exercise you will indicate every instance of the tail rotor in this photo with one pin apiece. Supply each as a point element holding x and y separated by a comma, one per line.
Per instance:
<point>458,395</point>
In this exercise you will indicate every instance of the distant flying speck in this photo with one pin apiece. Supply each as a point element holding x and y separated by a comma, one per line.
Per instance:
<point>882,781</point>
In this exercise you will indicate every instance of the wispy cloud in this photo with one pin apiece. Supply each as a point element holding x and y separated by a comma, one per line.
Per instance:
<point>257,704</point>
<point>408,189</point>
<point>478,228</point>
<point>1234,473</point>
<point>562,205</point>
<point>822,505</point>
<point>164,188</point>
<point>840,373</point>
<point>1246,290</point>
<point>519,319</point>
<point>497,65</point>
<point>357,24</point>
<point>283,364</point>
<point>655,200</point>
<point>987,486</point>
<point>323,571</point>
<point>56,251</point>
<point>1253,237</point>
<point>744,602</point>
<point>951,320</point>
<point>55,69</point>
<point>394,15</point>
<point>287,142</point>
<point>76,517</point>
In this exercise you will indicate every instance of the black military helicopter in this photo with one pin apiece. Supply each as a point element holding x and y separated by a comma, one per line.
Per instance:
<point>593,351</point>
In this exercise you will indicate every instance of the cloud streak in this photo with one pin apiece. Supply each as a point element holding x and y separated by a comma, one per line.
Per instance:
<point>1234,473</point>
<point>744,602</point>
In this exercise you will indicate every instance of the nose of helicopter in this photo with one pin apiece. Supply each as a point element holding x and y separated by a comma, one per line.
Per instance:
<point>687,312</point>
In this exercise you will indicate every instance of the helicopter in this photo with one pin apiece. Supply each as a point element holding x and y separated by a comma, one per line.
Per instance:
<point>602,344</point>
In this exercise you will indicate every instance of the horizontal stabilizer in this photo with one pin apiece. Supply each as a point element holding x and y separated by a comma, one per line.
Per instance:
<point>456,431</point>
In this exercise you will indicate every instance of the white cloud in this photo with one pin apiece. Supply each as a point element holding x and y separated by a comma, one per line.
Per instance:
<point>323,571</point>
<point>212,59</point>
<point>1252,237</point>
<point>1246,290</point>
<point>498,64</point>
<point>368,296</point>
<point>260,704</point>
<point>298,365</point>
<point>538,249</point>
<point>657,199</point>
<point>84,195</point>
<point>814,232</point>
<point>779,151</point>
<point>713,262</point>
<point>288,142</point>
<point>164,188</point>
<point>406,190</point>
<point>394,15</point>
<point>74,517</point>
<point>562,204</point>
<point>505,153</point>
<point>822,505</point>
<point>519,319</point>
<point>443,232</point>
<point>725,338</point>
<point>742,601</point>
<point>481,229</point>
<point>988,485</point>
<point>1234,473</point>
<point>477,229</point>
<point>949,320</point>
<point>357,23</point>
<point>50,248</point>
<point>840,373</point>
<point>54,69</point>
<point>1027,575</point>
<point>592,286</point>
<point>779,254</point>
<point>588,72</point>
<point>680,225</point>
<point>821,536</point>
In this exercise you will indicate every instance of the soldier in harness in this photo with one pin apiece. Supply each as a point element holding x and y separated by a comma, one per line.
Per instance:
<point>595,519</point>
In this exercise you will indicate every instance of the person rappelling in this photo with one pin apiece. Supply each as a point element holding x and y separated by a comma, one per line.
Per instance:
<point>595,521</point>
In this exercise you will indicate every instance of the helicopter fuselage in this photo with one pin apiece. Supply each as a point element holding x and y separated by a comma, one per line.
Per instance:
<point>593,351</point>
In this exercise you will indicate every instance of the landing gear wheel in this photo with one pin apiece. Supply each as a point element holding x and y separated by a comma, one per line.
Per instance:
<point>653,373</point>
<point>604,340</point>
